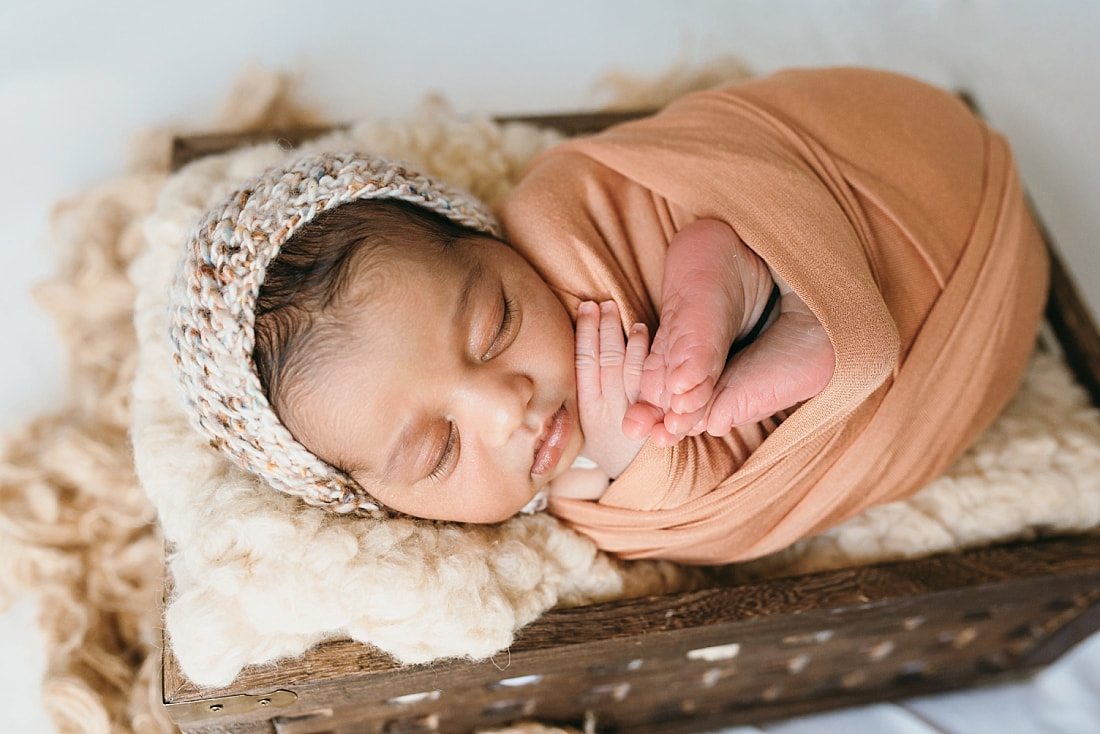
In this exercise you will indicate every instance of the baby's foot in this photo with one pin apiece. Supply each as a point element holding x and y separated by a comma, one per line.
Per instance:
<point>711,285</point>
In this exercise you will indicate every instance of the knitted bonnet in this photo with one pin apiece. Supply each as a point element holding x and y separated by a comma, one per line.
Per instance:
<point>212,308</point>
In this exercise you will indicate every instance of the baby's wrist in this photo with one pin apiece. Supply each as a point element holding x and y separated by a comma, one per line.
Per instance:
<point>587,483</point>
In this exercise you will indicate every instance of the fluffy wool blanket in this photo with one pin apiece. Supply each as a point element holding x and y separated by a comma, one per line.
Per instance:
<point>78,530</point>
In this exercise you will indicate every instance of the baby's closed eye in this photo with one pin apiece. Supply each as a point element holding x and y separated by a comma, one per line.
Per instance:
<point>510,320</point>
<point>448,454</point>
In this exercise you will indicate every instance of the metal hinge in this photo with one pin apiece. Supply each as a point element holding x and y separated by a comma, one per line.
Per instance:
<point>207,708</point>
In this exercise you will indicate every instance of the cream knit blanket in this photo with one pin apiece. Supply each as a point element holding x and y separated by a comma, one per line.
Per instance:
<point>257,577</point>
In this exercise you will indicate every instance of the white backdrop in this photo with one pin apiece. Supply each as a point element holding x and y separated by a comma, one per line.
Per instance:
<point>77,78</point>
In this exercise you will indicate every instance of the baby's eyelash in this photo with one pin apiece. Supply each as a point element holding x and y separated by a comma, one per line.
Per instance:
<point>449,456</point>
<point>505,332</point>
<point>509,319</point>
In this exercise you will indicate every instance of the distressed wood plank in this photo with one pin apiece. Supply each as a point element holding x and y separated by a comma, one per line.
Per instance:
<point>633,619</point>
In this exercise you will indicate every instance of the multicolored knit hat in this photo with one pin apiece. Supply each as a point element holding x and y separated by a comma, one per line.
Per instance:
<point>213,302</point>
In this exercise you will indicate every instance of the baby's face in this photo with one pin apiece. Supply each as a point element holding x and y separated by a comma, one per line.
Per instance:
<point>452,393</point>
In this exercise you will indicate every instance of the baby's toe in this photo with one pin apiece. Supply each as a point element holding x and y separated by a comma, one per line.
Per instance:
<point>693,400</point>
<point>681,424</point>
<point>694,357</point>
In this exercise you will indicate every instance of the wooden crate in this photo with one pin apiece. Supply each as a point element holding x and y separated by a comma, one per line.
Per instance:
<point>699,660</point>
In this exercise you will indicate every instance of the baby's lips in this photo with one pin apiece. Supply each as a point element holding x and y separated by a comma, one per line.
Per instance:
<point>550,451</point>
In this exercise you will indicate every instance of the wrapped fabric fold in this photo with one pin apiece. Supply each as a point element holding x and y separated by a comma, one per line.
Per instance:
<point>892,211</point>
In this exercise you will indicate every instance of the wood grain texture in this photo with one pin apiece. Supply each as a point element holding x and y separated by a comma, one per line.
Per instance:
<point>1072,323</point>
<point>722,656</point>
<point>654,618</point>
<point>187,148</point>
<point>798,645</point>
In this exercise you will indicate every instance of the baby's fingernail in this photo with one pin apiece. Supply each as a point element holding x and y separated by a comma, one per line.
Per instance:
<point>586,307</point>
<point>607,306</point>
<point>637,329</point>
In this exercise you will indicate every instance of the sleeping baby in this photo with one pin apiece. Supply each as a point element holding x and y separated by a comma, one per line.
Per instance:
<point>839,273</point>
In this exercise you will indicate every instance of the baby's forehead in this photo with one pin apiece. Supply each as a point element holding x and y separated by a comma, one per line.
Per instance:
<point>426,278</point>
<point>397,305</point>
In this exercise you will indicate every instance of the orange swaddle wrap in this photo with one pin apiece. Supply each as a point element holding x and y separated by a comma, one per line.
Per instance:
<point>894,213</point>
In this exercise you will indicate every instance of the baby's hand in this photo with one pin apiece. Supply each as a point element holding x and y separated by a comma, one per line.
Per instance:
<point>608,377</point>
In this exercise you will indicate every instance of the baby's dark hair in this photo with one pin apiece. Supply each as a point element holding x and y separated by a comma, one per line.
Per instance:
<point>307,281</point>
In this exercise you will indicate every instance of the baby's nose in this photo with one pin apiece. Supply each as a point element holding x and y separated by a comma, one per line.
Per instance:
<point>498,404</point>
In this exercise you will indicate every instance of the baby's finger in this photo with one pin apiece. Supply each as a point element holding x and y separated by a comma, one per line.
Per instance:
<point>640,419</point>
<point>612,351</point>
<point>587,352</point>
<point>637,347</point>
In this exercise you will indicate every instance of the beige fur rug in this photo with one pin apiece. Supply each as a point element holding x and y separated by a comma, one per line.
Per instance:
<point>77,531</point>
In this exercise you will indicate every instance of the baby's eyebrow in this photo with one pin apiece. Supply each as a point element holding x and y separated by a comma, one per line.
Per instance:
<point>396,450</point>
<point>473,276</point>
